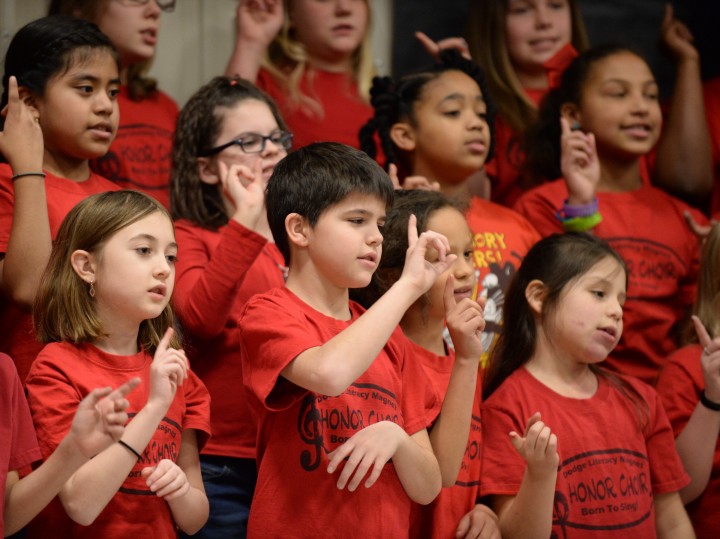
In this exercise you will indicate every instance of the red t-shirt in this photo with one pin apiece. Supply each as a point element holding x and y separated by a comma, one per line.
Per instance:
<point>501,238</point>
<point>17,335</point>
<point>18,443</point>
<point>344,111</point>
<point>609,469</point>
<point>646,226</point>
<point>140,157</point>
<point>216,273</point>
<point>440,519</point>
<point>679,386</point>
<point>61,376</point>
<point>295,496</point>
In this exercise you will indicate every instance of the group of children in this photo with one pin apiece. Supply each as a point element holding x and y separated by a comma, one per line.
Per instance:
<point>365,360</point>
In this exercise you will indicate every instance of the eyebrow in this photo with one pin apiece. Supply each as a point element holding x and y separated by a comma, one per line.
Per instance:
<point>92,78</point>
<point>152,238</point>
<point>363,211</point>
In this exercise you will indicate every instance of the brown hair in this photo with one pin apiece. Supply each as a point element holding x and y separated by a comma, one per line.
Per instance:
<point>707,304</point>
<point>64,310</point>
<point>139,86</point>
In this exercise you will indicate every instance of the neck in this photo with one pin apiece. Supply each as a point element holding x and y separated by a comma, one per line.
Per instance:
<point>618,175</point>
<point>426,332</point>
<point>314,289</point>
<point>336,64</point>
<point>121,336</point>
<point>64,166</point>
<point>450,185</point>
<point>533,81</point>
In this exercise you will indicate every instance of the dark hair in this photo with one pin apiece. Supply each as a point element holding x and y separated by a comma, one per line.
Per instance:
<point>315,177</point>
<point>199,123</point>
<point>541,143</point>
<point>395,102</point>
<point>556,261</point>
<point>48,47</point>
<point>420,203</point>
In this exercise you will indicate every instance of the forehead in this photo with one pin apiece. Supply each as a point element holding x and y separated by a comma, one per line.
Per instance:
<point>448,221</point>
<point>90,60</point>
<point>157,224</point>
<point>360,201</point>
<point>246,114</point>
<point>451,83</point>
<point>607,269</point>
<point>623,66</point>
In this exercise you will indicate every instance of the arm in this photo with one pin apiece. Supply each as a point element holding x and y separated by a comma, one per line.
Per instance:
<point>696,443</point>
<point>449,434</point>
<point>671,519</point>
<point>371,447</point>
<point>89,490</point>
<point>329,369</point>
<point>529,513</point>
<point>257,24</point>
<point>207,284</point>
<point>181,485</point>
<point>29,246</point>
<point>97,424</point>
<point>684,153</point>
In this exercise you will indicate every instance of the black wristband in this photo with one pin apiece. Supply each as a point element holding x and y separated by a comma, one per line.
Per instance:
<point>127,446</point>
<point>707,403</point>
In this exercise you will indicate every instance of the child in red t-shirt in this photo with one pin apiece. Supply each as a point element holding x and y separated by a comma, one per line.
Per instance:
<point>139,157</point>
<point>60,86</point>
<point>313,58</point>
<point>592,133</point>
<point>230,136</point>
<point>340,405</point>
<point>103,311</point>
<point>98,422</point>
<point>609,466</point>
<point>689,386</point>
<point>437,124</point>
<point>451,366</point>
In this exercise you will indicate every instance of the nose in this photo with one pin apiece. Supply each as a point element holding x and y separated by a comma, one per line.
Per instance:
<point>271,149</point>
<point>152,9</point>
<point>640,104</point>
<point>463,268</point>
<point>375,236</point>
<point>542,16</point>
<point>104,103</point>
<point>342,7</point>
<point>616,310</point>
<point>163,268</point>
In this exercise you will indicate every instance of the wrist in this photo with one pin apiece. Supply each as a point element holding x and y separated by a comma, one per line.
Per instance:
<point>708,403</point>
<point>70,451</point>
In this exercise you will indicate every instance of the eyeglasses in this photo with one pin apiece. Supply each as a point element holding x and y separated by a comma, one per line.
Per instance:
<point>254,143</point>
<point>164,5</point>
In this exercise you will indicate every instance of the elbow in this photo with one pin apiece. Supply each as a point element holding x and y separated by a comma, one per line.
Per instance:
<point>330,381</point>
<point>23,298</point>
<point>80,513</point>
<point>428,496</point>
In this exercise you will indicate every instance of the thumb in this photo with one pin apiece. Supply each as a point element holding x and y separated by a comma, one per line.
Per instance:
<point>517,441</point>
<point>392,172</point>
<point>449,294</point>
<point>145,472</point>
<point>463,526</point>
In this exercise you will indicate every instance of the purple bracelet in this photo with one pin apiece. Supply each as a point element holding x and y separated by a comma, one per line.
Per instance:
<point>584,210</point>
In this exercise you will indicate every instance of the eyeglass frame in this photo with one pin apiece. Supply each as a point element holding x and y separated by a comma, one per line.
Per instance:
<point>287,135</point>
<point>168,6</point>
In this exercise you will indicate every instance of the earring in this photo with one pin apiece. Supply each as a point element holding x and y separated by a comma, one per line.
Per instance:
<point>92,289</point>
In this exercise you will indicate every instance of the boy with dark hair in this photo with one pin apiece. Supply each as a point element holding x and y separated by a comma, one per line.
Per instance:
<point>331,384</point>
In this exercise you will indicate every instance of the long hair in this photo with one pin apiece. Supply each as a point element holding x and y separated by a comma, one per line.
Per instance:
<point>199,123</point>
<point>487,40</point>
<point>64,310</point>
<point>139,85</point>
<point>542,139</point>
<point>422,204</point>
<point>396,101</point>
<point>288,61</point>
<point>707,304</point>
<point>48,47</point>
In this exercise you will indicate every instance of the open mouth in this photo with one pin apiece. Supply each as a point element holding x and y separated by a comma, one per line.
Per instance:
<point>610,331</point>
<point>159,290</point>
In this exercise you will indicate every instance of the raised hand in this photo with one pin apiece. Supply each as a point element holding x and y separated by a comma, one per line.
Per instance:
<point>100,418</point>
<point>480,523</point>
<point>433,48</point>
<point>538,446</point>
<point>245,189</point>
<point>166,480</point>
<point>411,182</point>
<point>677,37</point>
<point>418,271</point>
<point>259,21</point>
<point>579,163</point>
<point>367,450</point>
<point>168,371</point>
<point>21,141</point>
<point>709,359</point>
<point>465,322</point>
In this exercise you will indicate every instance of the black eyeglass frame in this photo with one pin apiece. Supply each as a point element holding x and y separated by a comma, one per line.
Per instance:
<point>286,140</point>
<point>168,6</point>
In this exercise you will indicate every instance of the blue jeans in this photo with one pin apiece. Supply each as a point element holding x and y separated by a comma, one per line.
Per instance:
<point>229,484</point>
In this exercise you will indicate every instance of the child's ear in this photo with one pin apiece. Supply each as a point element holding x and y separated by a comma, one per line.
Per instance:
<point>208,171</point>
<point>27,97</point>
<point>297,229</point>
<point>570,112</point>
<point>403,135</point>
<point>535,295</point>
<point>84,265</point>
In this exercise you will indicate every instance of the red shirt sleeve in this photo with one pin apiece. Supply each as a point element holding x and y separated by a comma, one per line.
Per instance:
<point>197,408</point>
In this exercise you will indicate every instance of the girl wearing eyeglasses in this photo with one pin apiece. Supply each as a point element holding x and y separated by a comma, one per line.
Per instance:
<point>139,158</point>
<point>229,138</point>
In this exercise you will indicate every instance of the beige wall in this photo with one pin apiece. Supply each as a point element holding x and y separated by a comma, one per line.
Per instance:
<point>195,41</point>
